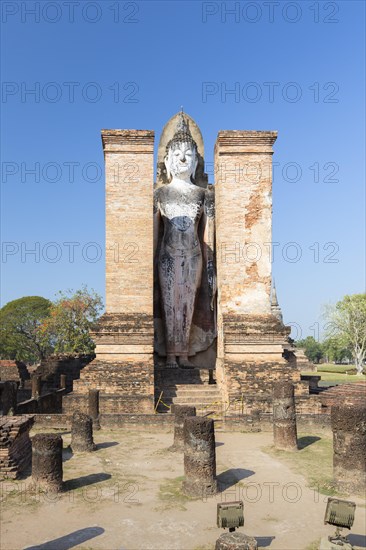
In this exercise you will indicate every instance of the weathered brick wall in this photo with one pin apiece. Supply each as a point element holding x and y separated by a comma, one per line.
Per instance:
<point>13,370</point>
<point>51,369</point>
<point>50,421</point>
<point>255,422</point>
<point>110,404</point>
<point>256,379</point>
<point>47,403</point>
<point>124,379</point>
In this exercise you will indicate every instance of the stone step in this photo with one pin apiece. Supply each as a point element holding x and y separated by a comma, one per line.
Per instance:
<point>194,398</point>
<point>192,393</point>
<point>197,403</point>
<point>195,387</point>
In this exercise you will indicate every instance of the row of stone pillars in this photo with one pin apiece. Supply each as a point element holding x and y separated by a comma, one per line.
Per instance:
<point>47,469</point>
<point>195,435</point>
<point>348,422</point>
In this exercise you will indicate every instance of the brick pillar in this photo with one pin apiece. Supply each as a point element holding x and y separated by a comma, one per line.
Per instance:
<point>250,337</point>
<point>47,461</point>
<point>82,433</point>
<point>243,173</point>
<point>349,447</point>
<point>36,385</point>
<point>180,414</point>
<point>284,416</point>
<point>93,407</point>
<point>199,457</point>
<point>124,336</point>
<point>63,381</point>
<point>129,158</point>
<point>236,541</point>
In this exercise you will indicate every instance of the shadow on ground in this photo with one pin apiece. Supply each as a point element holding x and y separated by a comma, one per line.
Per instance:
<point>106,445</point>
<point>83,481</point>
<point>357,540</point>
<point>69,541</point>
<point>231,477</point>
<point>307,440</point>
<point>67,454</point>
<point>263,542</point>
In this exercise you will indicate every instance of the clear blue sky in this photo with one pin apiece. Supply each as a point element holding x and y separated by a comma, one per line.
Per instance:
<point>112,64</point>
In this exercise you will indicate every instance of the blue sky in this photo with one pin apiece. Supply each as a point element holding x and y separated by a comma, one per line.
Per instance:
<point>296,67</point>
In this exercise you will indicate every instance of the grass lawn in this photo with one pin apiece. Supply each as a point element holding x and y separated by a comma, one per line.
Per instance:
<point>314,460</point>
<point>337,374</point>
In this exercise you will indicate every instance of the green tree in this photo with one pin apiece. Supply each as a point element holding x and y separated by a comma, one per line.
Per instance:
<point>347,320</point>
<point>20,329</point>
<point>335,349</point>
<point>313,349</point>
<point>71,318</point>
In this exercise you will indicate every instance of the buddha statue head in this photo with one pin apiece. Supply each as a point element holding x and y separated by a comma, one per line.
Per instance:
<point>181,153</point>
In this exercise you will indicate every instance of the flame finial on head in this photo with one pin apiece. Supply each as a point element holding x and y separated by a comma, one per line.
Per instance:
<point>182,133</point>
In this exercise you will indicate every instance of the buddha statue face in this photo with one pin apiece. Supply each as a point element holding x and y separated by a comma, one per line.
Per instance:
<point>181,161</point>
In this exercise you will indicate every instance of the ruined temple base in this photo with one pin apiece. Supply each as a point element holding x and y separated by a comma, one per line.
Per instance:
<point>15,445</point>
<point>254,355</point>
<point>123,370</point>
<point>126,387</point>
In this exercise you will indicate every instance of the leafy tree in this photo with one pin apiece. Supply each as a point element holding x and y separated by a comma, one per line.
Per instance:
<point>335,349</point>
<point>347,320</point>
<point>20,322</point>
<point>72,316</point>
<point>313,349</point>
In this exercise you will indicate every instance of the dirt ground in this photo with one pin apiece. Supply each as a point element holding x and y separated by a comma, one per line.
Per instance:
<point>126,496</point>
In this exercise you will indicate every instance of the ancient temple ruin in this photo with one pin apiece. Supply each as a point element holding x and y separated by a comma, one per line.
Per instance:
<point>191,313</point>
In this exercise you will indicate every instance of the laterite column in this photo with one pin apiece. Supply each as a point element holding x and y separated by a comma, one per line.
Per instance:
<point>349,447</point>
<point>284,416</point>
<point>47,461</point>
<point>36,385</point>
<point>82,432</point>
<point>199,457</point>
<point>93,407</point>
<point>181,412</point>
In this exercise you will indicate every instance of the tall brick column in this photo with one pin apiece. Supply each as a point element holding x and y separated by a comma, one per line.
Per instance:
<point>251,336</point>
<point>123,370</point>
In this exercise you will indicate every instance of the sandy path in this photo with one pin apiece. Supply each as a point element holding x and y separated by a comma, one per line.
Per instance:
<point>113,501</point>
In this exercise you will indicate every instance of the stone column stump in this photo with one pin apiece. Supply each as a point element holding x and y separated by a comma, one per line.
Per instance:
<point>63,381</point>
<point>47,462</point>
<point>36,385</point>
<point>199,457</point>
<point>284,417</point>
<point>82,433</point>
<point>93,407</point>
<point>9,397</point>
<point>236,541</point>
<point>180,413</point>
<point>349,447</point>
